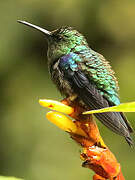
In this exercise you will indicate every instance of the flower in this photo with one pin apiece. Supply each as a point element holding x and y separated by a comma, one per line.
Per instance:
<point>83,130</point>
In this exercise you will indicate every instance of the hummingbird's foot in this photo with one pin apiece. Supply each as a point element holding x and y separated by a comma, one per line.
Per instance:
<point>69,100</point>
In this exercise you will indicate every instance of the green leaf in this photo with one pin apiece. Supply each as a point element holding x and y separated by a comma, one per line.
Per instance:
<point>9,178</point>
<point>124,107</point>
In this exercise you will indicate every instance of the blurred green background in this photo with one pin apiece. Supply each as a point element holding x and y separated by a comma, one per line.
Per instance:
<point>30,146</point>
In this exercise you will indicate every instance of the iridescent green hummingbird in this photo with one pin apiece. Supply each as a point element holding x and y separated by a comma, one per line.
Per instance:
<point>80,72</point>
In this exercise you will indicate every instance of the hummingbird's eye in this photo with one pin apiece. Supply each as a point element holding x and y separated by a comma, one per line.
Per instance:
<point>59,37</point>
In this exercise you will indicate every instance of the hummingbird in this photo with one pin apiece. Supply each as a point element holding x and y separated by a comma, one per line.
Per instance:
<point>80,72</point>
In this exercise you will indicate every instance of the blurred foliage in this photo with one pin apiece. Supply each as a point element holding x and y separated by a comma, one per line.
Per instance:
<point>31,147</point>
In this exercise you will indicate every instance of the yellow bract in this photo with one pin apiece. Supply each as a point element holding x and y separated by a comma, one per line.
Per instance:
<point>64,123</point>
<point>55,105</point>
<point>59,119</point>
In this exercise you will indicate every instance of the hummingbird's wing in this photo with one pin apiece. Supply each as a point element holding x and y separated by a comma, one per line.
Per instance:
<point>88,92</point>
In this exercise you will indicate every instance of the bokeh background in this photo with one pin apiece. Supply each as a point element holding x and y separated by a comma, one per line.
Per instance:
<point>30,146</point>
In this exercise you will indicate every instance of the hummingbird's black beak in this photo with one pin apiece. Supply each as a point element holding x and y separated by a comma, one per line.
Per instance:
<point>47,33</point>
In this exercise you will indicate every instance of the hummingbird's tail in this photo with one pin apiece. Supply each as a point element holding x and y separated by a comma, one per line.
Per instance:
<point>128,138</point>
<point>129,141</point>
<point>118,125</point>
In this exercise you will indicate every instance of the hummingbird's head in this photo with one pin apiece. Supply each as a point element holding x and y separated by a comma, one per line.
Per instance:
<point>67,36</point>
<point>63,40</point>
<point>60,41</point>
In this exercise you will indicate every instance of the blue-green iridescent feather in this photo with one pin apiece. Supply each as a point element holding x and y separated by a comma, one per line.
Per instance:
<point>97,70</point>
